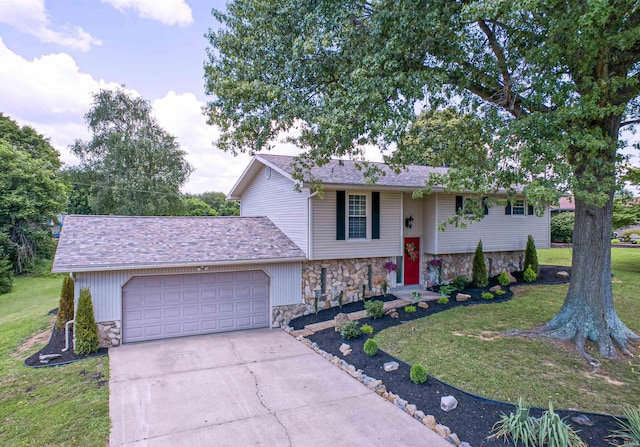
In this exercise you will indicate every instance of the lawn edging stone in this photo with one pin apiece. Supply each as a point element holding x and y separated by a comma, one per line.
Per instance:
<point>377,386</point>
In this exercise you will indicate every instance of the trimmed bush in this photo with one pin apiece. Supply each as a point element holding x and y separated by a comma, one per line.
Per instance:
<point>410,309</point>
<point>479,268</point>
<point>486,296</point>
<point>370,347</point>
<point>529,275</point>
<point>443,300</point>
<point>562,227</point>
<point>349,330</point>
<point>86,330</point>
<point>500,292</point>
<point>503,278</point>
<point>460,282</point>
<point>6,276</point>
<point>65,307</point>
<point>366,329</point>
<point>628,236</point>
<point>418,374</point>
<point>447,290</point>
<point>374,309</point>
<point>615,241</point>
<point>531,255</point>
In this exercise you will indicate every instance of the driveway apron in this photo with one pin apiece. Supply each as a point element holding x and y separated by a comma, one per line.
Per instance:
<point>249,388</point>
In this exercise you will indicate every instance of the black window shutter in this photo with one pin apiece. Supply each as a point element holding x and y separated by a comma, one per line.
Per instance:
<point>530,210</point>
<point>484,204</point>
<point>375,215</point>
<point>459,203</point>
<point>507,209</point>
<point>340,215</point>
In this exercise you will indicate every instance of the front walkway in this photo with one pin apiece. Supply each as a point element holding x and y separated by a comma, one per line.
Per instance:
<point>258,388</point>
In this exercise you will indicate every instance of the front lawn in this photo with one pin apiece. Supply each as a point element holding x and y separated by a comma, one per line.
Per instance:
<point>57,406</point>
<point>465,346</point>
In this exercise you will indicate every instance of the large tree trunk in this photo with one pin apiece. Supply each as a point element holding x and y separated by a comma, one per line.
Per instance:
<point>588,312</point>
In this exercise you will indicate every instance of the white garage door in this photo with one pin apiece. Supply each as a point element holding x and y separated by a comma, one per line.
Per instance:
<point>177,305</point>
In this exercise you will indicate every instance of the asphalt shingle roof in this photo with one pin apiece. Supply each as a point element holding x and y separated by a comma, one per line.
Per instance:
<point>348,174</point>
<point>90,243</point>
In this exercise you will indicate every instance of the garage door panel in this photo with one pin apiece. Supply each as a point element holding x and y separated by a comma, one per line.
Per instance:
<point>177,305</point>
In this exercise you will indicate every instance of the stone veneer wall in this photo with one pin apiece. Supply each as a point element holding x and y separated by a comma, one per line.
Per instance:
<point>346,275</point>
<point>109,333</point>
<point>462,264</point>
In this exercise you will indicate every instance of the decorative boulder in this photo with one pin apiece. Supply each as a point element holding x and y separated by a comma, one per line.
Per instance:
<point>340,319</point>
<point>390,366</point>
<point>511,277</point>
<point>423,305</point>
<point>562,275</point>
<point>448,403</point>
<point>462,297</point>
<point>495,288</point>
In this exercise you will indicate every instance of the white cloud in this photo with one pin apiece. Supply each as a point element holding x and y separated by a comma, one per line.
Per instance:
<point>30,17</point>
<point>169,12</point>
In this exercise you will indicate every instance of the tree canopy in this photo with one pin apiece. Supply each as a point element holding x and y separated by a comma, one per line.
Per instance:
<point>137,167</point>
<point>549,82</point>
<point>32,193</point>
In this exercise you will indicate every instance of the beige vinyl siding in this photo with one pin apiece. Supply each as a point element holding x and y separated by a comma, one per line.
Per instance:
<point>499,232</point>
<point>106,287</point>
<point>325,245</point>
<point>430,227</point>
<point>414,208</point>
<point>276,198</point>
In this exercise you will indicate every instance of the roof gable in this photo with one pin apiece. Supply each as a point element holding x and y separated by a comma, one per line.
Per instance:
<point>92,243</point>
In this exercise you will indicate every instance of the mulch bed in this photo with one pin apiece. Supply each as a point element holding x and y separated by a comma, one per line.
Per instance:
<point>474,417</point>
<point>55,346</point>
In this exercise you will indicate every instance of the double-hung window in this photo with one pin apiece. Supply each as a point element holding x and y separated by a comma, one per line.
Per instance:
<point>518,208</point>
<point>357,216</point>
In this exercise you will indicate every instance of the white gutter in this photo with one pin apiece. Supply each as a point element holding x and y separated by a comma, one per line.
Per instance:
<point>310,226</point>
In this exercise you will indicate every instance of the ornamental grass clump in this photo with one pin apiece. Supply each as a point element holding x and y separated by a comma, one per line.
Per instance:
<point>418,374</point>
<point>374,309</point>
<point>86,331</point>
<point>370,347</point>
<point>65,306</point>
<point>479,278</point>
<point>629,430</point>
<point>410,309</point>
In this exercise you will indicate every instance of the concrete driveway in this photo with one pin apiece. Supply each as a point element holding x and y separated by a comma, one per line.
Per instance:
<point>251,388</point>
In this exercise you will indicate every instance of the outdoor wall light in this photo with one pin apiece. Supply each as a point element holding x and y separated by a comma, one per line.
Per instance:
<point>202,269</point>
<point>408,222</point>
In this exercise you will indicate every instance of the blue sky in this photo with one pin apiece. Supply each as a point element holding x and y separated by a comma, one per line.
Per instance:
<point>55,53</point>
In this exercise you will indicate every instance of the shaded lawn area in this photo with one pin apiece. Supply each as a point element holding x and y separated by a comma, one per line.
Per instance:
<point>465,346</point>
<point>56,406</point>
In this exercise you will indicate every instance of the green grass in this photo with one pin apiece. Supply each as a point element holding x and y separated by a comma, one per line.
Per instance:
<point>57,406</point>
<point>466,346</point>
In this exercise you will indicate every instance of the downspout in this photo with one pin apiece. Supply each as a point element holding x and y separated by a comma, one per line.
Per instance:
<point>66,326</point>
<point>310,226</point>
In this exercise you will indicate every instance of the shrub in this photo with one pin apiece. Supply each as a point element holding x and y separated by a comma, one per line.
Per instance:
<point>562,227</point>
<point>416,295</point>
<point>86,330</point>
<point>410,309</point>
<point>6,276</point>
<point>531,255</point>
<point>627,235</point>
<point>418,374</point>
<point>529,275</point>
<point>503,278</point>
<point>385,287</point>
<point>486,295</point>
<point>629,430</point>
<point>65,307</point>
<point>500,292</point>
<point>370,347</point>
<point>350,329</point>
<point>460,282</point>
<point>374,309</point>
<point>479,278</point>
<point>447,290</point>
<point>443,300</point>
<point>366,329</point>
<point>615,241</point>
<point>340,298</point>
<point>553,431</point>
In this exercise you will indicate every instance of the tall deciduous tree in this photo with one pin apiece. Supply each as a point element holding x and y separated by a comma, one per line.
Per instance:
<point>138,167</point>
<point>552,80</point>
<point>30,194</point>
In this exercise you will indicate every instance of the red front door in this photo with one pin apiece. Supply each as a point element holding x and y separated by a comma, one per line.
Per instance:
<point>411,266</point>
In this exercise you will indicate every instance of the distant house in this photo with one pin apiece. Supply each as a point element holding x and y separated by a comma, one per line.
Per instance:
<point>565,204</point>
<point>159,277</point>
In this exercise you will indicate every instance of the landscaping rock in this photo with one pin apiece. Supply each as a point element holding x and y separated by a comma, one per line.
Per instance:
<point>345,349</point>
<point>430,421</point>
<point>423,304</point>
<point>582,419</point>
<point>419,415</point>
<point>390,366</point>
<point>411,409</point>
<point>453,439</point>
<point>45,358</point>
<point>394,315</point>
<point>495,288</point>
<point>340,319</point>
<point>462,297</point>
<point>562,275</point>
<point>390,311</point>
<point>465,444</point>
<point>442,430</point>
<point>448,403</point>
